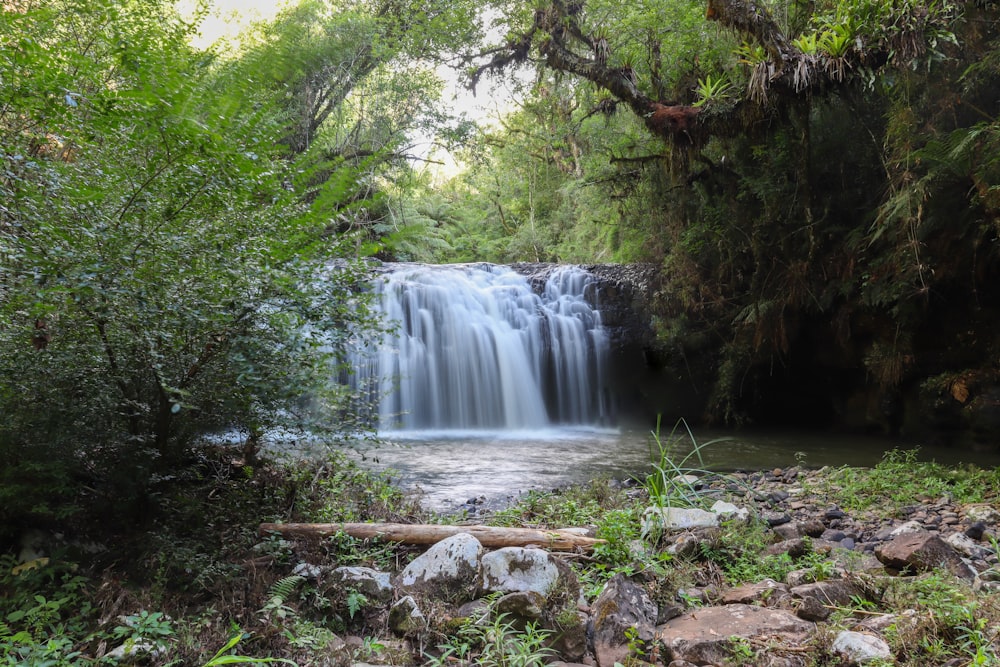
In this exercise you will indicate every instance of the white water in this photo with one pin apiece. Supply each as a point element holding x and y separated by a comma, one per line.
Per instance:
<point>472,347</point>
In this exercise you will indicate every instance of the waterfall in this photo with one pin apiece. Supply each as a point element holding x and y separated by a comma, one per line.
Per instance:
<point>474,347</point>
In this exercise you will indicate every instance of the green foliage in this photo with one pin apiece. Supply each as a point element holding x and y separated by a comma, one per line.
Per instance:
<point>712,90</point>
<point>224,656</point>
<point>45,613</point>
<point>494,640</point>
<point>739,553</point>
<point>674,481</point>
<point>900,478</point>
<point>164,254</point>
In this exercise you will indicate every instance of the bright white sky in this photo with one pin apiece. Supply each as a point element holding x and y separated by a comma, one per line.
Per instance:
<point>228,17</point>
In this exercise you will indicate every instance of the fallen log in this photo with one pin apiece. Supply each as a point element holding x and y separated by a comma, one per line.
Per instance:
<point>563,539</point>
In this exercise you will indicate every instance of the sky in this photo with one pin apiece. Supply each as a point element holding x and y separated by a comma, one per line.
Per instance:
<point>228,17</point>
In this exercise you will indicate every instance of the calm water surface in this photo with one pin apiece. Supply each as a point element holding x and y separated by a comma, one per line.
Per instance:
<point>448,468</point>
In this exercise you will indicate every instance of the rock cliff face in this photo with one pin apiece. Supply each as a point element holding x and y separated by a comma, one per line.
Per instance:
<point>640,380</point>
<point>623,292</point>
<point>820,383</point>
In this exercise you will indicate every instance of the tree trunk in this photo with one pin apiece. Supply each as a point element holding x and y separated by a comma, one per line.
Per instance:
<point>563,539</point>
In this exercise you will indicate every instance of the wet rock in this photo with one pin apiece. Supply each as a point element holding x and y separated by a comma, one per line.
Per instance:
<point>922,552</point>
<point>705,636</point>
<point>450,569</point>
<point>859,648</point>
<point>622,609</point>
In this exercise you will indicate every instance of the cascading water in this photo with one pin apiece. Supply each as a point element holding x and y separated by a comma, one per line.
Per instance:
<point>472,347</point>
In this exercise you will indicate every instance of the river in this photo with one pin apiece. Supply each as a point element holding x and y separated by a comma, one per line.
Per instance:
<point>447,469</point>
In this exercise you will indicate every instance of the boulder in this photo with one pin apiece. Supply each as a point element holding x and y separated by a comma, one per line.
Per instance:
<point>859,648</point>
<point>449,570</point>
<point>706,636</point>
<point>656,520</point>
<point>515,569</point>
<point>623,616</point>
<point>922,552</point>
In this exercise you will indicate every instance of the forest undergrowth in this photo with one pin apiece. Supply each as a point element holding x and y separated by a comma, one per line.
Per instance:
<point>195,584</point>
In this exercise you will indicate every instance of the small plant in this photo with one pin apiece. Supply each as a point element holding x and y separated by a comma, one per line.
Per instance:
<point>808,44</point>
<point>355,602</point>
<point>900,478</point>
<point>836,40</point>
<point>144,628</point>
<point>223,657</point>
<point>497,641</point>
<point>713,89</point>
<point>750,54</point>
<point>670,484</point>
<point>741,652</point>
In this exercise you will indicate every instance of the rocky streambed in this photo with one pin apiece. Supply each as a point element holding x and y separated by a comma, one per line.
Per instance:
<point>920,585</point>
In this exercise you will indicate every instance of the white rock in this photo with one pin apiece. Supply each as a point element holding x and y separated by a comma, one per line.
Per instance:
<point>907,528</point>
<point>859,648</point>
<point>677,518</point>
<point>452,563</point>
<point>308,571</point>
<point>517,569</point>
<point>730,511</point>
<point>984,513</point>
<point>133,648</point>
<point>967,546</point>
<point>365,580</point>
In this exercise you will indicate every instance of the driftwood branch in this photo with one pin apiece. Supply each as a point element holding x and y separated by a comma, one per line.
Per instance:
<point>563,539</point>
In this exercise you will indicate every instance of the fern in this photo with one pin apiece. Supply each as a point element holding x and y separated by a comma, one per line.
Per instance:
<point>284,588</point>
